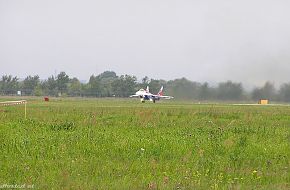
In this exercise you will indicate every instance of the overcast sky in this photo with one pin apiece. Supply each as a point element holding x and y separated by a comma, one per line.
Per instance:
<point>203,40</point>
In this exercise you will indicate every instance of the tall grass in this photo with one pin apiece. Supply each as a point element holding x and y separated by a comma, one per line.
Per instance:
<point>120,144</point>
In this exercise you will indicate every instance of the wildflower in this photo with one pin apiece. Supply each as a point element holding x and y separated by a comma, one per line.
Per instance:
<point>255,173</point>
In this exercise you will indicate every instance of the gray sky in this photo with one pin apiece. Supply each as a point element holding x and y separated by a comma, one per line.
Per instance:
<point>203,40</point>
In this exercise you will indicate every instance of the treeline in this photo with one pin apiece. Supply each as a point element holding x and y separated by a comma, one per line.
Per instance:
<point>108,84</point>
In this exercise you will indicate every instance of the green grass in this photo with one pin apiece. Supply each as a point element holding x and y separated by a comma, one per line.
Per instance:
<point>123,144</point>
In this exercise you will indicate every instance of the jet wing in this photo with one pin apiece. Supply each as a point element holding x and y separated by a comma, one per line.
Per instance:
<point>165,97</point>
<point>134,96</point>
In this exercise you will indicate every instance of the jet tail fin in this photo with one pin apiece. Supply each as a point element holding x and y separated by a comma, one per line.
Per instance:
<point>147,89</point>
<point>160,93</point>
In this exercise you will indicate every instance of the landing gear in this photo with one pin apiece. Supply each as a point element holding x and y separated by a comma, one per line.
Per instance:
<point>142,100</point>
<point>154,100</point>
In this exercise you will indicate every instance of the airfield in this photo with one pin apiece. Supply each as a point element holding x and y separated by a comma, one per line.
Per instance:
<point>74,143</point>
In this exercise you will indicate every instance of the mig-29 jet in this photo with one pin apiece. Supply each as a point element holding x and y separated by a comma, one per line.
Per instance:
<point>146,95</point>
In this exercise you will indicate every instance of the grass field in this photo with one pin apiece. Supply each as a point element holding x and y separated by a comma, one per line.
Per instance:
<point>123,144</point>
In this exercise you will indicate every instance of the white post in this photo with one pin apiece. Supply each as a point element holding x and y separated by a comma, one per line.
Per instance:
<point>11,103</point>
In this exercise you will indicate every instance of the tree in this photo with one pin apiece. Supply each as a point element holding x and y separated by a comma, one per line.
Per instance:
<point>75,87</point>
<point>93,87</point>
<point>62,82</point>
<point>257,94</point>
<point>204,92</point>
<point>145,81</point>
<point>29,84</point>
<point>124,86</point>
<point>183,89</point>
<point>229,91</point>
<point>155,85</point>
<point>268,91</point>
<point>285,92</point>
<point>107,74</point>
<point>9,84</point>
<point>38,91</point>
<point>50,86</point>
<point>106,80</point>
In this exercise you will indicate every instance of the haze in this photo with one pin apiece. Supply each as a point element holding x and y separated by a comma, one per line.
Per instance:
<point>203,40</point>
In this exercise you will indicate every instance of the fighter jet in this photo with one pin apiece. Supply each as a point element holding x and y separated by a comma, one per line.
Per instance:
<point>146,95</point>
